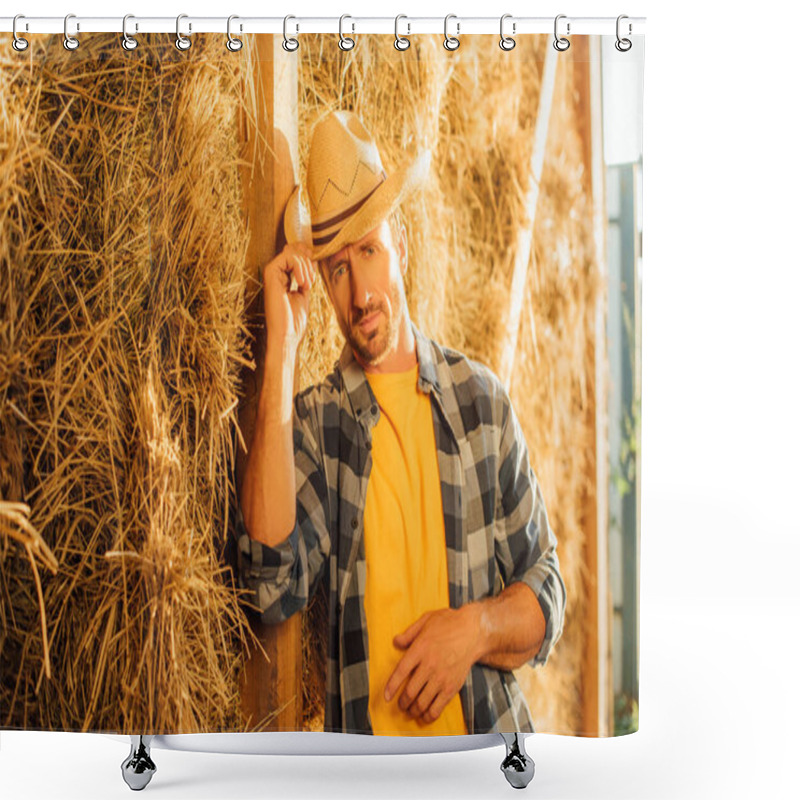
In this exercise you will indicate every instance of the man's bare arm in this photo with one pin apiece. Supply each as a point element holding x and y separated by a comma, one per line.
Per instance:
<point>268,497</point>
<point>511,627</point>
<point>268,487</point>
<point>442,645</point>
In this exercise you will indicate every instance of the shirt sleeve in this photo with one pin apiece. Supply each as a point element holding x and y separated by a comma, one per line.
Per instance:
<point>525,545</point>
<point>284,578</point>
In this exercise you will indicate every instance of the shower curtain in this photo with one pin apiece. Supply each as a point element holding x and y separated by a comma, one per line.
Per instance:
<point>145,193</point>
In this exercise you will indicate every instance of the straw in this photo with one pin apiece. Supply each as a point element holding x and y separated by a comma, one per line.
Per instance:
<point>123,339</point>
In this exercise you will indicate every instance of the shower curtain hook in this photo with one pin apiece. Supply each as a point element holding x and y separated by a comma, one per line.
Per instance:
<point>18,42</point>
<point>70,42</point>
<point>451,42</point>
<point>290,44</point>
<point>346,42</point>
<point>560,43</point>
<point>400,42</point>
<point>182,42</point>
<point>128,42</point>
<point>506,42</point>
<point>623,45</point>
<point>233,44</point>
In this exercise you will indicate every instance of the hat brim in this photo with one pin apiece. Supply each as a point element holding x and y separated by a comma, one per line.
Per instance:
<point>384,200</point>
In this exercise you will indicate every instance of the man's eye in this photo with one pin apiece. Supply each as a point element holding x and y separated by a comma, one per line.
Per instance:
<point>339,271</point>
<point>369,250</point>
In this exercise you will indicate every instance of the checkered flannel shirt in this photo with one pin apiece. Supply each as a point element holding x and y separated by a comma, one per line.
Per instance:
<point>496,527</point>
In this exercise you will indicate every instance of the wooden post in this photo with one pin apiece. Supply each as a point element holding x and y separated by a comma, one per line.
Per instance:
<point>597,684</point>
<point>271,690</point>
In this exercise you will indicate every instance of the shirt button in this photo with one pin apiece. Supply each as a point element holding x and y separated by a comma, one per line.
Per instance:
<point>369,445</point>
<point>374,410</point>
<point>354,523</point>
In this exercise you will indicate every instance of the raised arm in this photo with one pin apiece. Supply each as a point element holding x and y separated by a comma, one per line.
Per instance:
<point>268,495</point>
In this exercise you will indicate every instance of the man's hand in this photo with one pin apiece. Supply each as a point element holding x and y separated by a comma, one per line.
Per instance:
<point>441,647</point>
<point>286,311</point>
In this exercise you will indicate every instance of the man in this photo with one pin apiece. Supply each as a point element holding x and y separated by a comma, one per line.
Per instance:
<point>401,481</point>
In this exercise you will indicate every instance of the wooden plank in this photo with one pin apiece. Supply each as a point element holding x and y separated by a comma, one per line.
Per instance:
<point>597,675</point>
<point>271,691</point>
<point>523,245</point>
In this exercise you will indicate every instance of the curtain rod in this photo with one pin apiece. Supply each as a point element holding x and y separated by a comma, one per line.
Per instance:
<point>299,24</point>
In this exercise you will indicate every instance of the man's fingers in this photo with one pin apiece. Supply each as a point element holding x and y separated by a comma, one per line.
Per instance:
<point>435,709</point>
<point>309,273</point>
<point>309,265</point>
<point>401,672</point>
<point>423,700</point>
<point>409,634</point>
<point>416,684</point>
<point>301,267</point>
<point>295,271</point>
<point>302,277</point>
<point>294,261</point>
<point>418,709</point>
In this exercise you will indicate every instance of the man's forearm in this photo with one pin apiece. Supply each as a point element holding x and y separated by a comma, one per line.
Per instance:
<point>268,488</point>
<point>511,627</point>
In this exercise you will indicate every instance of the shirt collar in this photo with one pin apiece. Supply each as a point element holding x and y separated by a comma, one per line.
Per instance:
<point>357,386</point>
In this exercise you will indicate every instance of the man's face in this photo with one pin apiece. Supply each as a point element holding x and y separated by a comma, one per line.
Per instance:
<point>365,284</point>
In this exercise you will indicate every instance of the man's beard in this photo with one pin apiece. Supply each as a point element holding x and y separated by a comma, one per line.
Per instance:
<point>373,347</point>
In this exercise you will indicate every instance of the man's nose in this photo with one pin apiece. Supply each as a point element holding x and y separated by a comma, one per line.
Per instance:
<point>359,286</point>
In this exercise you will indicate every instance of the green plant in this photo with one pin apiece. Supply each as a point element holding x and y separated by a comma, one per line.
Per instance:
<point>626,714</point>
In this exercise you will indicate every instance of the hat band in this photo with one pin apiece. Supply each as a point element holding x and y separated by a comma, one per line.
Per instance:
<point>341,217</point>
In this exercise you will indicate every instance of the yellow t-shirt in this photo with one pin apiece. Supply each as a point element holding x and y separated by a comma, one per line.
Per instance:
<point>404,545</point>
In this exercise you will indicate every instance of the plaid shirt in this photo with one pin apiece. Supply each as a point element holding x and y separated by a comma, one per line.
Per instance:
<point>495,522</point>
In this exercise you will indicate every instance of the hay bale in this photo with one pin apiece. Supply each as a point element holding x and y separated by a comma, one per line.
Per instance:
<point>127,255</point>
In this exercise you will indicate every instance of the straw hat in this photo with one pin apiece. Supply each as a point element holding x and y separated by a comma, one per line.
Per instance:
<point>347,191</point>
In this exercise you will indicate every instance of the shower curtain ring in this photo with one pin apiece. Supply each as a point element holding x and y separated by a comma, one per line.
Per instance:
<point>290,44</point>
<point>451,42</point>
<point>233,44</point>
<point>70,42</point>
<point>18,43</point>
<point>400,42</point>
<point>623,45</point>
<point>506,42</point>
<point>182,42</point>
<point>128,42</point>
<point>346,42</point>
<point>559,42</point>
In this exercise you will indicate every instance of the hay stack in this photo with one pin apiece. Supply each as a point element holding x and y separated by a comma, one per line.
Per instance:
<point>122,297</point>
<point>477,108</point>
<point>554,392</point>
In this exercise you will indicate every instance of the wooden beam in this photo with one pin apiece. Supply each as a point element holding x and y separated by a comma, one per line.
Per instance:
<point>597,675</point>
<point>523,245</point>
<point>271,691</point>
